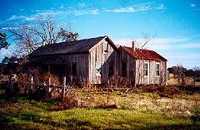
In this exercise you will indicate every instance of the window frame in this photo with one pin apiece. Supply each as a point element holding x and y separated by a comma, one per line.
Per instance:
<point>158,69</point>
<point>146,69</point>
<point>124,68</point>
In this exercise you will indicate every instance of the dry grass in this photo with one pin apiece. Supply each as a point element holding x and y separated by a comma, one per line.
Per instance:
<point>23,115</point>
<point>173,105</point>
<point>135,110</point>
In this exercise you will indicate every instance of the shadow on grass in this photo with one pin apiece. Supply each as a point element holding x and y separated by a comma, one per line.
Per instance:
<point>5,118</point>
<point>69,123</point>
<point>79,124</point>
<point>189,89</point>
<point>25,121</point>
<point>7,122</point>
<point>9,118</point>
<point>18,127</point>
<point>173,127</point>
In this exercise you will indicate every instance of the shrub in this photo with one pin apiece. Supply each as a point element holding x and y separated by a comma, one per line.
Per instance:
<point>39,94</point>
<point>196,115</point>
<point>12,91</point>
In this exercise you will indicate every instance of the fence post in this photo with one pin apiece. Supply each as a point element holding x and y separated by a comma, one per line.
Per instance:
<point>49,78</point>
<point>31,82</point>
<point>64,86</point>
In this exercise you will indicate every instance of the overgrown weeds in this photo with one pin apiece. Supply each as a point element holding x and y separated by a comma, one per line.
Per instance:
<point>102,109</point>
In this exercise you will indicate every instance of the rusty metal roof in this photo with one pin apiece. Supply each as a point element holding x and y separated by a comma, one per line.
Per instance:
<point>144,54</point>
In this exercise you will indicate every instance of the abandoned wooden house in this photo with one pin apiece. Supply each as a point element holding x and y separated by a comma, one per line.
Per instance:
<point>89,60</point>
<point>142,66</point>
<point>96,60</point>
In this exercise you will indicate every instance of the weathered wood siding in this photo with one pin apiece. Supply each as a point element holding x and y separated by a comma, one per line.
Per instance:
<point>102,60</point>
<point>81,61</point>
<point>127,72</point>
<point>65,63</point>
<point>151,78</point>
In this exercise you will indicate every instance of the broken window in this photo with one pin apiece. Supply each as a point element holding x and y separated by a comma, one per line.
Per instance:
<point>106,49</point>
<point>146,69</point>
<point>157,69</point>
<point>98,70</point>
<point>124,68</point>
<point>96,55</point>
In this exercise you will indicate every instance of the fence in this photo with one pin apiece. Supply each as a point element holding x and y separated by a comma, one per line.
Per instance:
<point>27,82</point>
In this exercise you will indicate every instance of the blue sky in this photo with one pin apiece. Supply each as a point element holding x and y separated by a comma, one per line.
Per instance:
<point>172,25</point>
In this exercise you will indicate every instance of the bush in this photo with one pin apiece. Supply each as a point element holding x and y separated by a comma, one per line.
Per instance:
<point>12,91</point>
<point>39,94</point>
<point>196,115</point>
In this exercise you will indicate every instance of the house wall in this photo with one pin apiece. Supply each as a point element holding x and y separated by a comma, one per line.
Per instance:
<point>129,71</point>
<point>152,78</point>
<point>102,62</point>
<point>81,62</point>
<point>102,59</point>
<point>62,65</point>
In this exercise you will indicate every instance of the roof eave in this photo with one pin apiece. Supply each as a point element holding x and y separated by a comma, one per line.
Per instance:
<point>72,53</point>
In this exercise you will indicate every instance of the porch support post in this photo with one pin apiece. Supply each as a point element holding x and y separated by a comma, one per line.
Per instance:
<point>64,86</point>
<point>49,75</point>
<point>49,80</point>
<point>32,82</point>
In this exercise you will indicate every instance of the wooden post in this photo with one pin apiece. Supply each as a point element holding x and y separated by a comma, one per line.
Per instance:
<point>31,82</point>
<point>49,79</point>
<point>49,74</point>
<point>64,86</point>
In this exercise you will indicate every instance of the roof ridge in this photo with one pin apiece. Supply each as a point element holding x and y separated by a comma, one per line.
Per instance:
<point>139,48</point>
<point>69,43</point>
<point>81,45</point>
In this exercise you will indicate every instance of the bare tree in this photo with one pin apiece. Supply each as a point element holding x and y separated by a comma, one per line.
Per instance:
<point>25,39</point>
<point>30,37</point>
<point>196,75</point>
<point>3,40</point>
<point>179,73</point>
<point>10,60</point>
<point>67,36</point>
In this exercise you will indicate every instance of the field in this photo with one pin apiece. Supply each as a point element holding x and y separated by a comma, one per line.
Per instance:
<point>141,110</point>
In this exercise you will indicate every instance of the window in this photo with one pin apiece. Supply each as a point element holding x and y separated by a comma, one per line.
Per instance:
<point>96,55</point>
<point>106,49</point>
<point>124,69</point>
<point>98,69</point>
<point>146,69</point>
<point>74,69</point>
<point>157,69</point>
